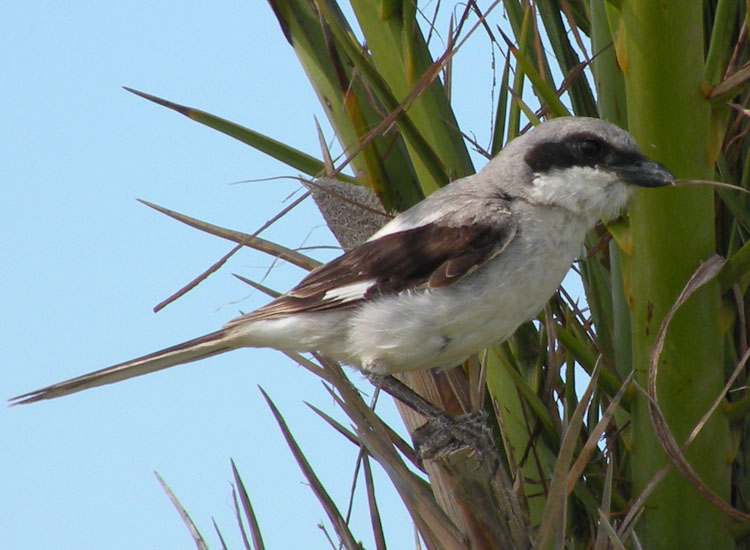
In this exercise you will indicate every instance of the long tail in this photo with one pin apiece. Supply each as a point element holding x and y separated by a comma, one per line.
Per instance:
<point>192,350</point>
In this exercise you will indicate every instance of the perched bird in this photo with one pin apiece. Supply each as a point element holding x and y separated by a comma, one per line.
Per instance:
<point>444,279</point>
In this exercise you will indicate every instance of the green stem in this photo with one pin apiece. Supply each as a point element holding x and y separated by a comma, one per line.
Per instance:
<point>673,231</point>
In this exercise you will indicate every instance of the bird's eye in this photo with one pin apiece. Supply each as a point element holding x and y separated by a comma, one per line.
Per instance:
<point>591,148</point>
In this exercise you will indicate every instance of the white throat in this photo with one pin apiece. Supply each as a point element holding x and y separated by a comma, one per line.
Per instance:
<point>591,193</point>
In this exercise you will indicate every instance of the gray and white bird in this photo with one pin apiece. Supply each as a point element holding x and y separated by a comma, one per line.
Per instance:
<point>446,278</point>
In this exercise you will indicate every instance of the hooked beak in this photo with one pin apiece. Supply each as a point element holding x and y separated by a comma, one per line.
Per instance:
<point>645,173</point>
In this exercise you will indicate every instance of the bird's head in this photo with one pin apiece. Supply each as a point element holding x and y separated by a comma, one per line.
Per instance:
<point>585,165</point>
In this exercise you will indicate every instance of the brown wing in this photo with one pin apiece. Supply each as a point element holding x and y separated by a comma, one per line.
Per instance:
<point>431,255</point>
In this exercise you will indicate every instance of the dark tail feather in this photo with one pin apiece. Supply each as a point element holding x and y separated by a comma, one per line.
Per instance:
<point>192,350</point>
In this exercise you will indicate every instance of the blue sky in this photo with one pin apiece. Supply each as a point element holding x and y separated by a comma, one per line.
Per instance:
<point>84,263</point>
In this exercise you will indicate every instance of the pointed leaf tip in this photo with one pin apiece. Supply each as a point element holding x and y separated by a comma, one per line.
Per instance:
<point>182,109</point>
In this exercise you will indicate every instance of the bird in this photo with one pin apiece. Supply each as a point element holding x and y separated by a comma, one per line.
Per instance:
<point>444,279</point>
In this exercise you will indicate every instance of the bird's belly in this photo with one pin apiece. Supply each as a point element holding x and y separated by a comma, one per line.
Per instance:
<point>441,327</point>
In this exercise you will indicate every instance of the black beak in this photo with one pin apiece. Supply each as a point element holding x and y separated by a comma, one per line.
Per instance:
<point>645,172</point>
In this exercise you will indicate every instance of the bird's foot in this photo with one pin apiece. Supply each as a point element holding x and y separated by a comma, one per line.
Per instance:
<point>444,435</point>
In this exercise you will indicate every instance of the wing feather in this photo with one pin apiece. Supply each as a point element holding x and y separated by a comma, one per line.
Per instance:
<point>432,255</point>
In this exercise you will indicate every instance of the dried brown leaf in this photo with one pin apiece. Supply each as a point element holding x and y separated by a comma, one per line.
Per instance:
<point>252,521</point>
<point>591,443</point>
<point>197,280</point>
<point>706,272</point>
<point>264,289</point>
<point>238,517</point>
<point>377,524</point>
<point>435,526</point>
<point>342,529</point>
<point>553,517</point>
<point>257,243</point>
<point>197,537</point>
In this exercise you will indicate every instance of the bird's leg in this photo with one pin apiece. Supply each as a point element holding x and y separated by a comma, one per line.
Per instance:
<point>397,389</point>
<point>442,433</point>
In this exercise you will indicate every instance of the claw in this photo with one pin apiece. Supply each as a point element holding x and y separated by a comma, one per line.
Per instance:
<point>445,435</point>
